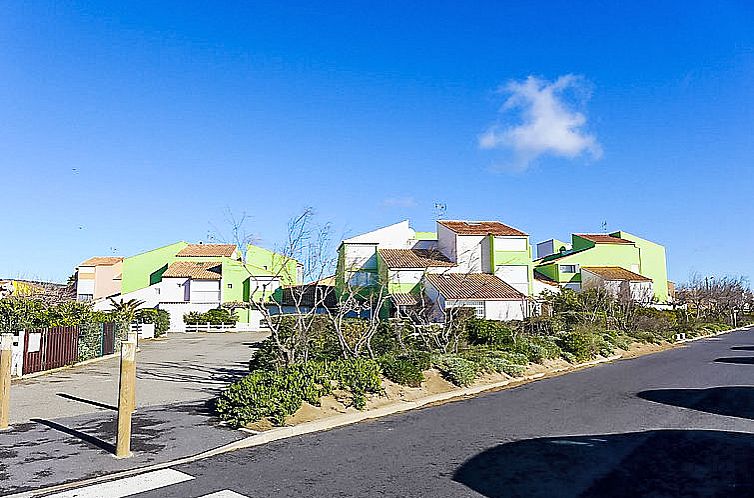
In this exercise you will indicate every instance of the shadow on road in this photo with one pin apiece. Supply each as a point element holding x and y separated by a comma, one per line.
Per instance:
<point>83,436</point>
<point>88,401</point>
<point>742,348</point>
<point>205,377</point>
<point>653,463</point>
<point>734,401</point>
<point>738,360</point>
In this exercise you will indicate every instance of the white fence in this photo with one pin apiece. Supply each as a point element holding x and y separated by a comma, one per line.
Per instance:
<point>145,330</point>
<point>226,327</point>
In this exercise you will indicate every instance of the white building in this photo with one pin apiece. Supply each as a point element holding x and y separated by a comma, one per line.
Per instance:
<point>619,282</point>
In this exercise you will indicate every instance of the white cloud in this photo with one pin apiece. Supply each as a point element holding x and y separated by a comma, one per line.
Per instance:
<point>399,202</point>
<point>549,126</point>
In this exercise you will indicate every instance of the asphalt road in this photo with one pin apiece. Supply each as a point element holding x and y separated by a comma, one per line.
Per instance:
<point>677,423</point>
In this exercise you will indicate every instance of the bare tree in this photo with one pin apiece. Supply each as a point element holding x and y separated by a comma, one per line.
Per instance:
<point>289,311</point>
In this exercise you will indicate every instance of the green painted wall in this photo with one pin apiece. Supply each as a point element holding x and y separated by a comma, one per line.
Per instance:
<point>426,236</point>
<point>276,264</point>
<point>145,269</point>
<point>521,258</point>
<point>549,270</point>
<point>623,255</point>
<point>652,263</point>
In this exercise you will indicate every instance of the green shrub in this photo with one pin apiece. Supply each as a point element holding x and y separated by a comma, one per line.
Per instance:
<point>537,349</point>
<point>583,343</point>
<point>216,316</point>
<point>278,394</point>
<point>457,369</point>
<point>615,339</point>
<point>646,337</point>
<point>265,357</point>
<point>160,319</point>
<point>489,332</point>
<point>402,370</point>
<point>656,322</point>
<point>543,325</point>
<point>488,360</point>
<point>90,341</point>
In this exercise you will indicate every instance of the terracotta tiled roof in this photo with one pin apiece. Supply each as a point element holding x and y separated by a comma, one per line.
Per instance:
<point>102,261</point>
<point>481,228</point>
<point>601,238</point>
<point>405,299</point>
<point>414,258</point>
<point>472,286</point>
<point>616,273</point>
<point>208,250</point>
<point>201,270</point>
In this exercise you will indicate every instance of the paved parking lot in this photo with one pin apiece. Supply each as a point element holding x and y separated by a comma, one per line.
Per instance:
<point>180,368</point>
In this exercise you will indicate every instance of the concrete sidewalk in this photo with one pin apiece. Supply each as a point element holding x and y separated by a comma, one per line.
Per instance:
<point>64,423</point>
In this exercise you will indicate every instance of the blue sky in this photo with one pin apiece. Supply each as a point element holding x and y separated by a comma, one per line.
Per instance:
<point>126,127</point>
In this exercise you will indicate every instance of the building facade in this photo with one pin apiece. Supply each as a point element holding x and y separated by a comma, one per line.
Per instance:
<point>182,278</point>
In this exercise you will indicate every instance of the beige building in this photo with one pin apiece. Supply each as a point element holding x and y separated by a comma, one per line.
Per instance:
<point>98,278</point>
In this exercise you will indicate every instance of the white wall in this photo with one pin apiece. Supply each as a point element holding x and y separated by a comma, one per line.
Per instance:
<point>150,295</point>
<point>590,281</point>
<point>357,256</point>
<point>505,310</point>
<point>204,291</point>
<point>437,301</point>
<point>405,276</point>
<point>446,241</point>
<point>397,236</point>
<point>517,276</point>
<point>642,291</point>
<point>174,289</point>
<point>538,287</point>
<point>510,244</point>
<point>469,253</point>
<point>177,310</point>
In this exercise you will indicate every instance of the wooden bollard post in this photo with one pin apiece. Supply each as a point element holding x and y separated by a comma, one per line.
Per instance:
<point>6,346</point>
<point>126,398</point>
<point>133,336</point>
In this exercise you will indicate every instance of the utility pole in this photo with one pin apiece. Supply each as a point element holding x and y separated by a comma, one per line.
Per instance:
<point>126,398</point>
<point>6,353</point>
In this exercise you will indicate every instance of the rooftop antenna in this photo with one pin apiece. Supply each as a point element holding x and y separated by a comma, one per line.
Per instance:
<point>440,209</point>
<point>604,226</point>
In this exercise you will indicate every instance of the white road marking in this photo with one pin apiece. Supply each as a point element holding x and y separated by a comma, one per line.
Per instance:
<point>226,493</point>
<point>128,486</point>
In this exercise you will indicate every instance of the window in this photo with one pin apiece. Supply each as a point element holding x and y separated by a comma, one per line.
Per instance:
<point>230,286</point>
<point>362,279</point>
<point>86,297</point>
<point>568,269</point>
<point>477,306</point>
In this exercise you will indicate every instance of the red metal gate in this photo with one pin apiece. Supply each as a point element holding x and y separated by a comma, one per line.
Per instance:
<point>49,348</point>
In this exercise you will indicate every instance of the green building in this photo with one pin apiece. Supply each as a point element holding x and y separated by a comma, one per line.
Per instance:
<point>183,278</point>
<point>596,259</point>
